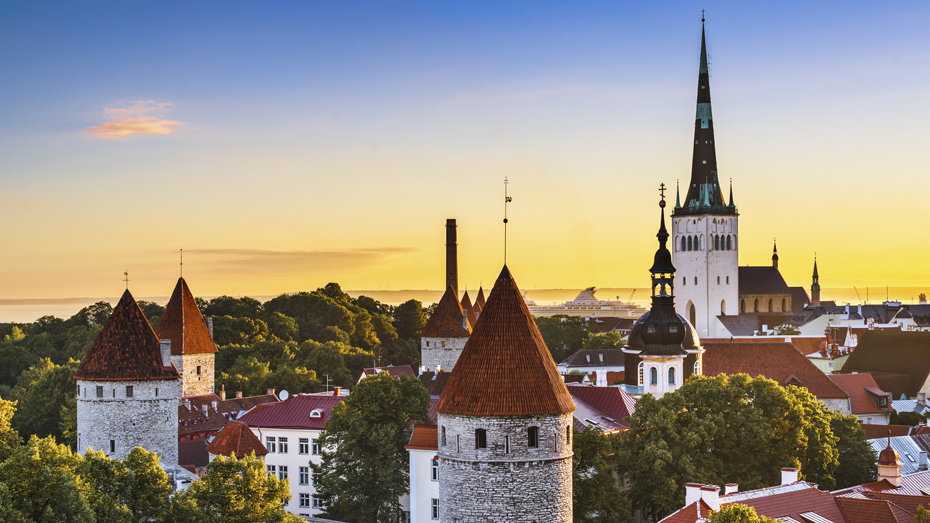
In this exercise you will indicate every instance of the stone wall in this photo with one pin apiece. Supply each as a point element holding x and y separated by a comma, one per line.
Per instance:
<point>441,351</point>
<point>193,384</point>
<point>508,480</point>
<point>148,419</point>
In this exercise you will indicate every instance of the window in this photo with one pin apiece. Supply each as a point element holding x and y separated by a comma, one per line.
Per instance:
<point>716,242</point>
<point>729,245</point>
<point>755,305</point>
<point>481,439</point>
<point>718,280</point>
<point>443,436</point>
<point>304,500</point>
<point>671,376</point>
<point>128,391</point>
<point>728,280</point>
<point>506,444</point>
<point>770,304</point>
<point>434,470</point>
<point>112,446</point>
<point>270,470</point>
<point>99,391</point>
<point>533,437</point>
<point>443,344</point>
<point>114,393</point>
<point>783,305</point>
<point>303,446</point>
<point>304,475</point>
<point>742,305</point>
<point>692,313</point>
<point>315,479</point>
<point>654,376</point>
<point>314,447</point>
<point>695,280</point>
<point>568,435</point>
<point>684,246</point>
<point>269,444</point>
<point>79,390</point>
<point>434,512</point>
<point>723,307</point>
<point>156,392</point>
<point>427,344</point>
<point>315,502</point>
<point>282,445</point>
<point>697,368</point>
<point>458,446</point>
<point>642,369</point>
<point>690,245</point>
<point>684,280</point>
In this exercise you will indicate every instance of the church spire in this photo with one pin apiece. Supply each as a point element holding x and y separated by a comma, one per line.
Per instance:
<point>704,194</point>
<point>775,254</point>
<point>663,330</point>
<point>815,285</point>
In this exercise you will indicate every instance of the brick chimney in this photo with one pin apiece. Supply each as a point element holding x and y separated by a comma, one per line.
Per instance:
<point>337,391</point>
<point>922,399</point>
<point>271,392</point>
<point>238,393</point>
<point>209,326</point>
<point>452,264</point>
<point>223,393</point>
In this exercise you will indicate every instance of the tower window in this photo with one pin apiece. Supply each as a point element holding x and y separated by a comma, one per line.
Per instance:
<point>684,280</point>
<point>770,304</point>
<point>783,305</point>
<point>444,436</point>
<point>729,245</point>
<point>642,368</point>
<point>718,280</point>
<point>742,306</point>
<point>695,280</point>
<point>755,305</point>
<point>128,391</point>
<point>684,246</point>
<point>728,280</point>
<point>481,439</point>
<point>568,435</point>
<point>653,376</point>
<point>723,307</point>
<point>533,437</point>
<point>198,370</point>
<point>506,444</point>
<point>690,244</point>
<point>112,446</point>
<point>716,242</point>
<point>156,392</point>
<point>671,376</point>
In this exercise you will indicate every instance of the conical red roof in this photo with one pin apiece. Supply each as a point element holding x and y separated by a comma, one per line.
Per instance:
<point>126,349</point>
<point>469,309</point>
<point>479,301</point>
<point>183,324</point>
<point>236,438</point>
<point>446,320</point>
<point>505,368</point>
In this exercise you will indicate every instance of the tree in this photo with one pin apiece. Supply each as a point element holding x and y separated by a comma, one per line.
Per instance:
<point>595,494</point>
<point>922,515</point>
<point>608,340</point>
<point>906,418</point>
<point>364,466</point>
<point>564,335</point>
<point>9,438</point>
<point>737,513</point>
<point>234,307</point>
<point>788,330</point>
<point>243,331</point>
<point>327,360</point>
<point>409,319</point>
<point>92,315</point>
<point>857,458</point>
<point>45,390</point>
<point>704,431</point>
<point>236,491</point>
<point>282,327</point>
<point>151,310</point>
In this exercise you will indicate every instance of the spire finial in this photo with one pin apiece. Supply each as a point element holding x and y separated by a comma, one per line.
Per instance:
<point>182,263</point>
<point>702,16</point>
<point>507,199</point>
<point>126,278</point>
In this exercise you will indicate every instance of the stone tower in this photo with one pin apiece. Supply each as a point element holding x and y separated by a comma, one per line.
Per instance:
<point>815,286</point>
<point>705,228</point>
<point>127,389</point>
<point>445,333</point>
<point>192,347</point>
<point>505,422</point>
<point>663,346</point>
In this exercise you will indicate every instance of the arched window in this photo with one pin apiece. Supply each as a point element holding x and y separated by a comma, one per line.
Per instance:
<point>653,376</point>
<point>671,376</point>
<point>742,306</point>
<point>481,439</point>
<point>770,304</point>
<point>716,242</point>
<point>443,436</point>
<point>532,436</point>
<point>690,245</point>
<point>684,245</point>
<point>695,280</point>
<point>755,305</point>
<point>723,307</point>
<point>642,369</point>
<point>692,313</point>
<point>697,243</point>
<point>729,245</point>
<point>697,368</point>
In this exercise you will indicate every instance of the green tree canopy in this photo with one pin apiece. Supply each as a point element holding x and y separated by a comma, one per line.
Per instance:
<point>564,335</point>
<point>409,319</point>
<point>857,458</point>
<point>737,513</point>
<point>9,438</point>
<point>608,340</point>
<point>364,466</point>
<point>42,391</point>
<point>596,496</point>
<point>234,307</point>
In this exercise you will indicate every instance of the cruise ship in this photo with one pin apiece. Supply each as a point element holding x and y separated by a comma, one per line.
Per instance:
<point>588,306</point>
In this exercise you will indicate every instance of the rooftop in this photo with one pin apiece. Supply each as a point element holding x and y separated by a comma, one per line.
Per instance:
<point>183,324</point>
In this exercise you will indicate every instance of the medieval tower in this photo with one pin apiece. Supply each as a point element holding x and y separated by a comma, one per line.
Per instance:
<point>705,228</point>
<point>505,422</point>
<point>127,389</point>
<point>445,333</point>
<point>192,348</point>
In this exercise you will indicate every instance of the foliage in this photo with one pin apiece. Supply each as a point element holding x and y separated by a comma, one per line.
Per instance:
<point>234,307</point>
<point>608,340</point>
<point>738,513</point>
<point>229,330</point>
<point>409,319</point>
<point>364,466</point>
<point>788,330</point>
<point>42,392</point>
<point>564,335</point>
<point>595,493</point>
<point>9,438</point>
<point>857,458</point>
<point>704,431</point>
<point>922,515</point>
<point>906,418</point>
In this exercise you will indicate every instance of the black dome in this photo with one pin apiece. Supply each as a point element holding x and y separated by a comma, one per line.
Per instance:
<point>690,343</point>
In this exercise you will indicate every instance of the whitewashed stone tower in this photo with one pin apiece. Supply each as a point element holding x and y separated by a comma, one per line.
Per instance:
<point>127,389</point>
<point>192,348</point>
<point>705,232</point>
<point>445,333</point>
<point>505,422</point>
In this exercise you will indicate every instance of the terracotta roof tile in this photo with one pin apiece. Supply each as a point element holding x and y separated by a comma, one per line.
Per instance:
<point>505,368</point>
<point>777,361</point>
<point>435,382</point>
<point>873,431</point>
<point>425,437</point>
<point>479,300</point>
<point>856,386</point>
<point>193,421</point>
<point>446,320</point>
<point>895,352</point>
<point>608,406</point>
<point>789,500</point>
<point>183,324</point>
<point>236,439</point>
<point>469,309</point>
<point>294,412</point>
<point>693,513</point>
<point>907,503</point>
<point>859,510</point>
<point>126,349</point>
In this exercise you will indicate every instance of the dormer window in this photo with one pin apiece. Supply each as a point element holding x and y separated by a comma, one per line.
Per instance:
<point>673,328</point>
<point>650,329</point>
<point>316,413</point>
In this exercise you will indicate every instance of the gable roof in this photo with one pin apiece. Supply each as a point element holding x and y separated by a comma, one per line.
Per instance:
<point>294,412</point>
<point>799,299</point>
<point>424,437</point>
<point>761,280</point>
<point>505,368</point>
<point>858,386</point>
<point>777,361</point>
<point>864,510</point>
<point>693,513</point>
<point>900,352</point>
<point>126,349</point>
<point>604,407</point>
<point>446,319</point>
<point>183,324</point>
<point>479,300</point>
<point>236,439</point>
<point>193,453</point>
<point>435,382</point>
<point>469,309</point>
<point>791,500</point>
<point>595,358</point>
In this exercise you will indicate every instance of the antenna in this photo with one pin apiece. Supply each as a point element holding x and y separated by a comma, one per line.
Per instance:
<point>327,382</point>
<point>507,199</point>
<point>126,278</point>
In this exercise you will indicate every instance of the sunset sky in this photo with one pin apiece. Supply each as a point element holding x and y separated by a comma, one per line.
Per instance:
<point>284,145</point>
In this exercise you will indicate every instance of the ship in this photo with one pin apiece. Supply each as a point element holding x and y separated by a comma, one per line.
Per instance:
<point>587,305</point>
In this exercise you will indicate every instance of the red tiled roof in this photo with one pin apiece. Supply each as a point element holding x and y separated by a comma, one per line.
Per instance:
<point>183,324</point>
<point>294,412</point>
<point>467,307</point>
<point>908,503</point>
<point>789,500</point>
<point>193,453</point>
<point>193,421</point>
<point>505,368</point>
<point>479,300</point>
<point>607,406</point>
<point>856,385</point>
<point>425,437</point>
<point>236,439</point>
<point>435,382</point>
<point>896,352</point>
<point>446,320</point>
<point>873,431</point>
<point>126,349</point>
<point>693,513</point>
<point>776,361</point>
<point>858,510</point>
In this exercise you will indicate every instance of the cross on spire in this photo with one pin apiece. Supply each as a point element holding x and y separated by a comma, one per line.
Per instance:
<point>662,191</point>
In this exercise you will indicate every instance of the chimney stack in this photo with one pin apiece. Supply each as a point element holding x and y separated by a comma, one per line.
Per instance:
<point>692,493</point>
<point>337,391</point>
<point>601,378</point>
<point>165,346</point>
<point>922,399</point>
<point>789,475</point>
<point>239,394</point>
<point>271,392</point>
<point>452,264</point>
<point>210,326</point>
<point>223,393</point>
<point>711,495</point>
<point>205,409</point>
<point>187,404</point>
<point>923,460</point>
<point>731,488</point>
<point>213,403</point>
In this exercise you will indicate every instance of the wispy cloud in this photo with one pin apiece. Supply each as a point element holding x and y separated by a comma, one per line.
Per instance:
<point>273,261</point>
<point>140,117</point>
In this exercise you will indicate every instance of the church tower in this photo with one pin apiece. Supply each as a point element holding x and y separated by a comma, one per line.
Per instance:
<point>505,422</point>
<point>704,228</point>
<point>127,389</point>
<point>815,286</point>
<point>192,348</point>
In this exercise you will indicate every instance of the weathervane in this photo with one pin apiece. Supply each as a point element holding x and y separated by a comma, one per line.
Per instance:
<point>182,263</point>
<point>507,199</point>
<point>702,16</point>
<point>126,278</point>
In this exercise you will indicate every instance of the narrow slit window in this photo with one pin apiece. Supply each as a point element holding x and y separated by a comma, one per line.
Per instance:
<point>481,439</point>
<point>533,437</point>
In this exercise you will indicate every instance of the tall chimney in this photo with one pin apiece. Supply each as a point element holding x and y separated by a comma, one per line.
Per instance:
<point>452,264</point>
<point>223,393</point>
<point>165,349</point>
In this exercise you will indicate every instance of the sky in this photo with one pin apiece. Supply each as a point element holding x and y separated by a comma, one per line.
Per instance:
<point>286,145</point>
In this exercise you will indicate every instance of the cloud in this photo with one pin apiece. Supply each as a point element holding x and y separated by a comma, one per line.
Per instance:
<point>267,261</point>
<point>140,117</point>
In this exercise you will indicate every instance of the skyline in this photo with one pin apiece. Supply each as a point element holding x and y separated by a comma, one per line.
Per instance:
<point>288,146</point>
